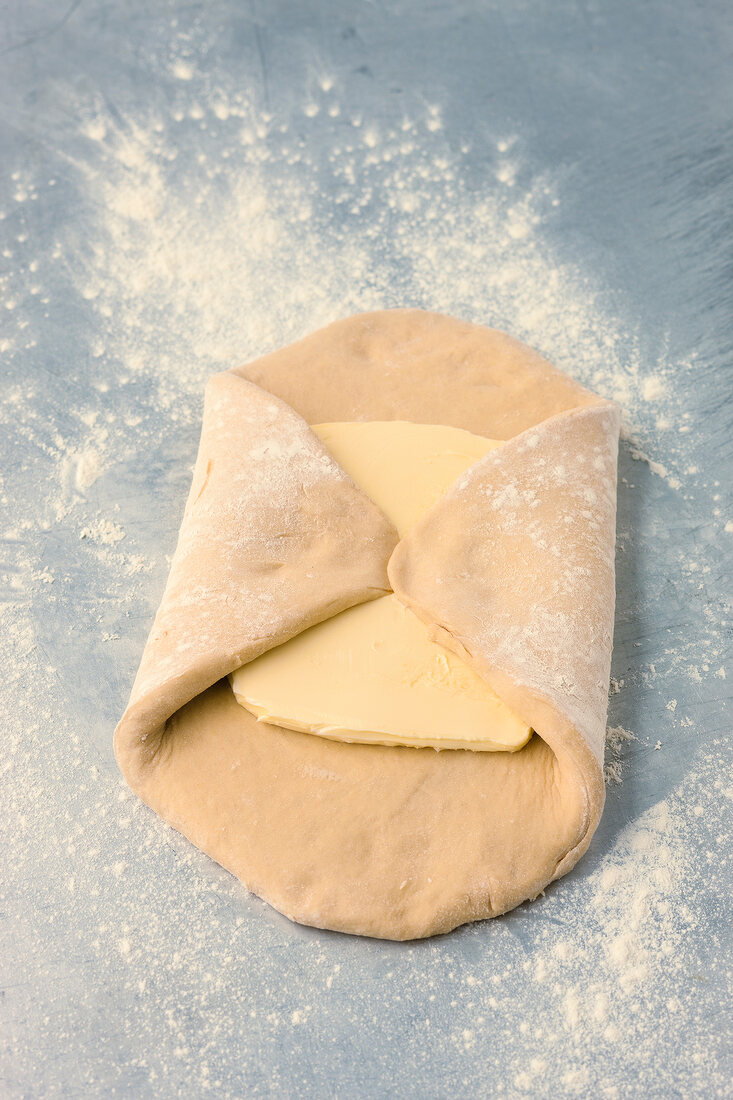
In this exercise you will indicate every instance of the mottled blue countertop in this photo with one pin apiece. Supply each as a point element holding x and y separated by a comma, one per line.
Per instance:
<point>184,186</point>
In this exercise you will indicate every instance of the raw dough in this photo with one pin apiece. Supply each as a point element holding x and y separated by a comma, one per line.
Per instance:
<point>387,842</point>
<point>372,674</point>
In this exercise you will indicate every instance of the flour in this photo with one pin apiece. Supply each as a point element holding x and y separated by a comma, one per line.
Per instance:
<point>633,923</point>
<point>104,531</point>
<point>657,468</point>
<point>617,737</point>
<point>196,250</point>
<point>616,740</point>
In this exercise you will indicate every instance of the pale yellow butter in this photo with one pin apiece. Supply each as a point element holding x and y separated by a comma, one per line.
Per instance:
<point>405,468</point>
<point>372,674</point>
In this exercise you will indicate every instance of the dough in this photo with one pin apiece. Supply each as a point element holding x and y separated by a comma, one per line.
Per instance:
<point>390,842</point>
<point>372,674</point>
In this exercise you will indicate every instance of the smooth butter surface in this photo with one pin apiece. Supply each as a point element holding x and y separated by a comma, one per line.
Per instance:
<point>372,674</point>
<point>405,468</point>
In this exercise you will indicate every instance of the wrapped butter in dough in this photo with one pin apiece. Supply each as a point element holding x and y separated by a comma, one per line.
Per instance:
<point>372,674</point>
<point>511,570</point>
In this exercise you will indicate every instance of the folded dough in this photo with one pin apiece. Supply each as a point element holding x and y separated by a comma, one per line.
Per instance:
<point>512,569</point>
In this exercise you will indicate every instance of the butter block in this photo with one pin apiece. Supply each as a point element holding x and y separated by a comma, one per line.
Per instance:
<point>371,674</point>
<point>405,468</point>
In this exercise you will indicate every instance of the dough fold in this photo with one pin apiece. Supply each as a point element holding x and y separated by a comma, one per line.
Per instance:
<point>275,538</point>
<point>512,568</point>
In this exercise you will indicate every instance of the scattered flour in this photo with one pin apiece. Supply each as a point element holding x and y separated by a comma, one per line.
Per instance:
<point>617,738</point>
<point>103,531</point>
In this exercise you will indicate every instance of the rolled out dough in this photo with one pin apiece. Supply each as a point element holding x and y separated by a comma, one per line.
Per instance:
<point>512,569</point>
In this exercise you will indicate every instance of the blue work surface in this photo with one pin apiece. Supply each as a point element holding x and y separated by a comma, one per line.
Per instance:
<point>187,185</point>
